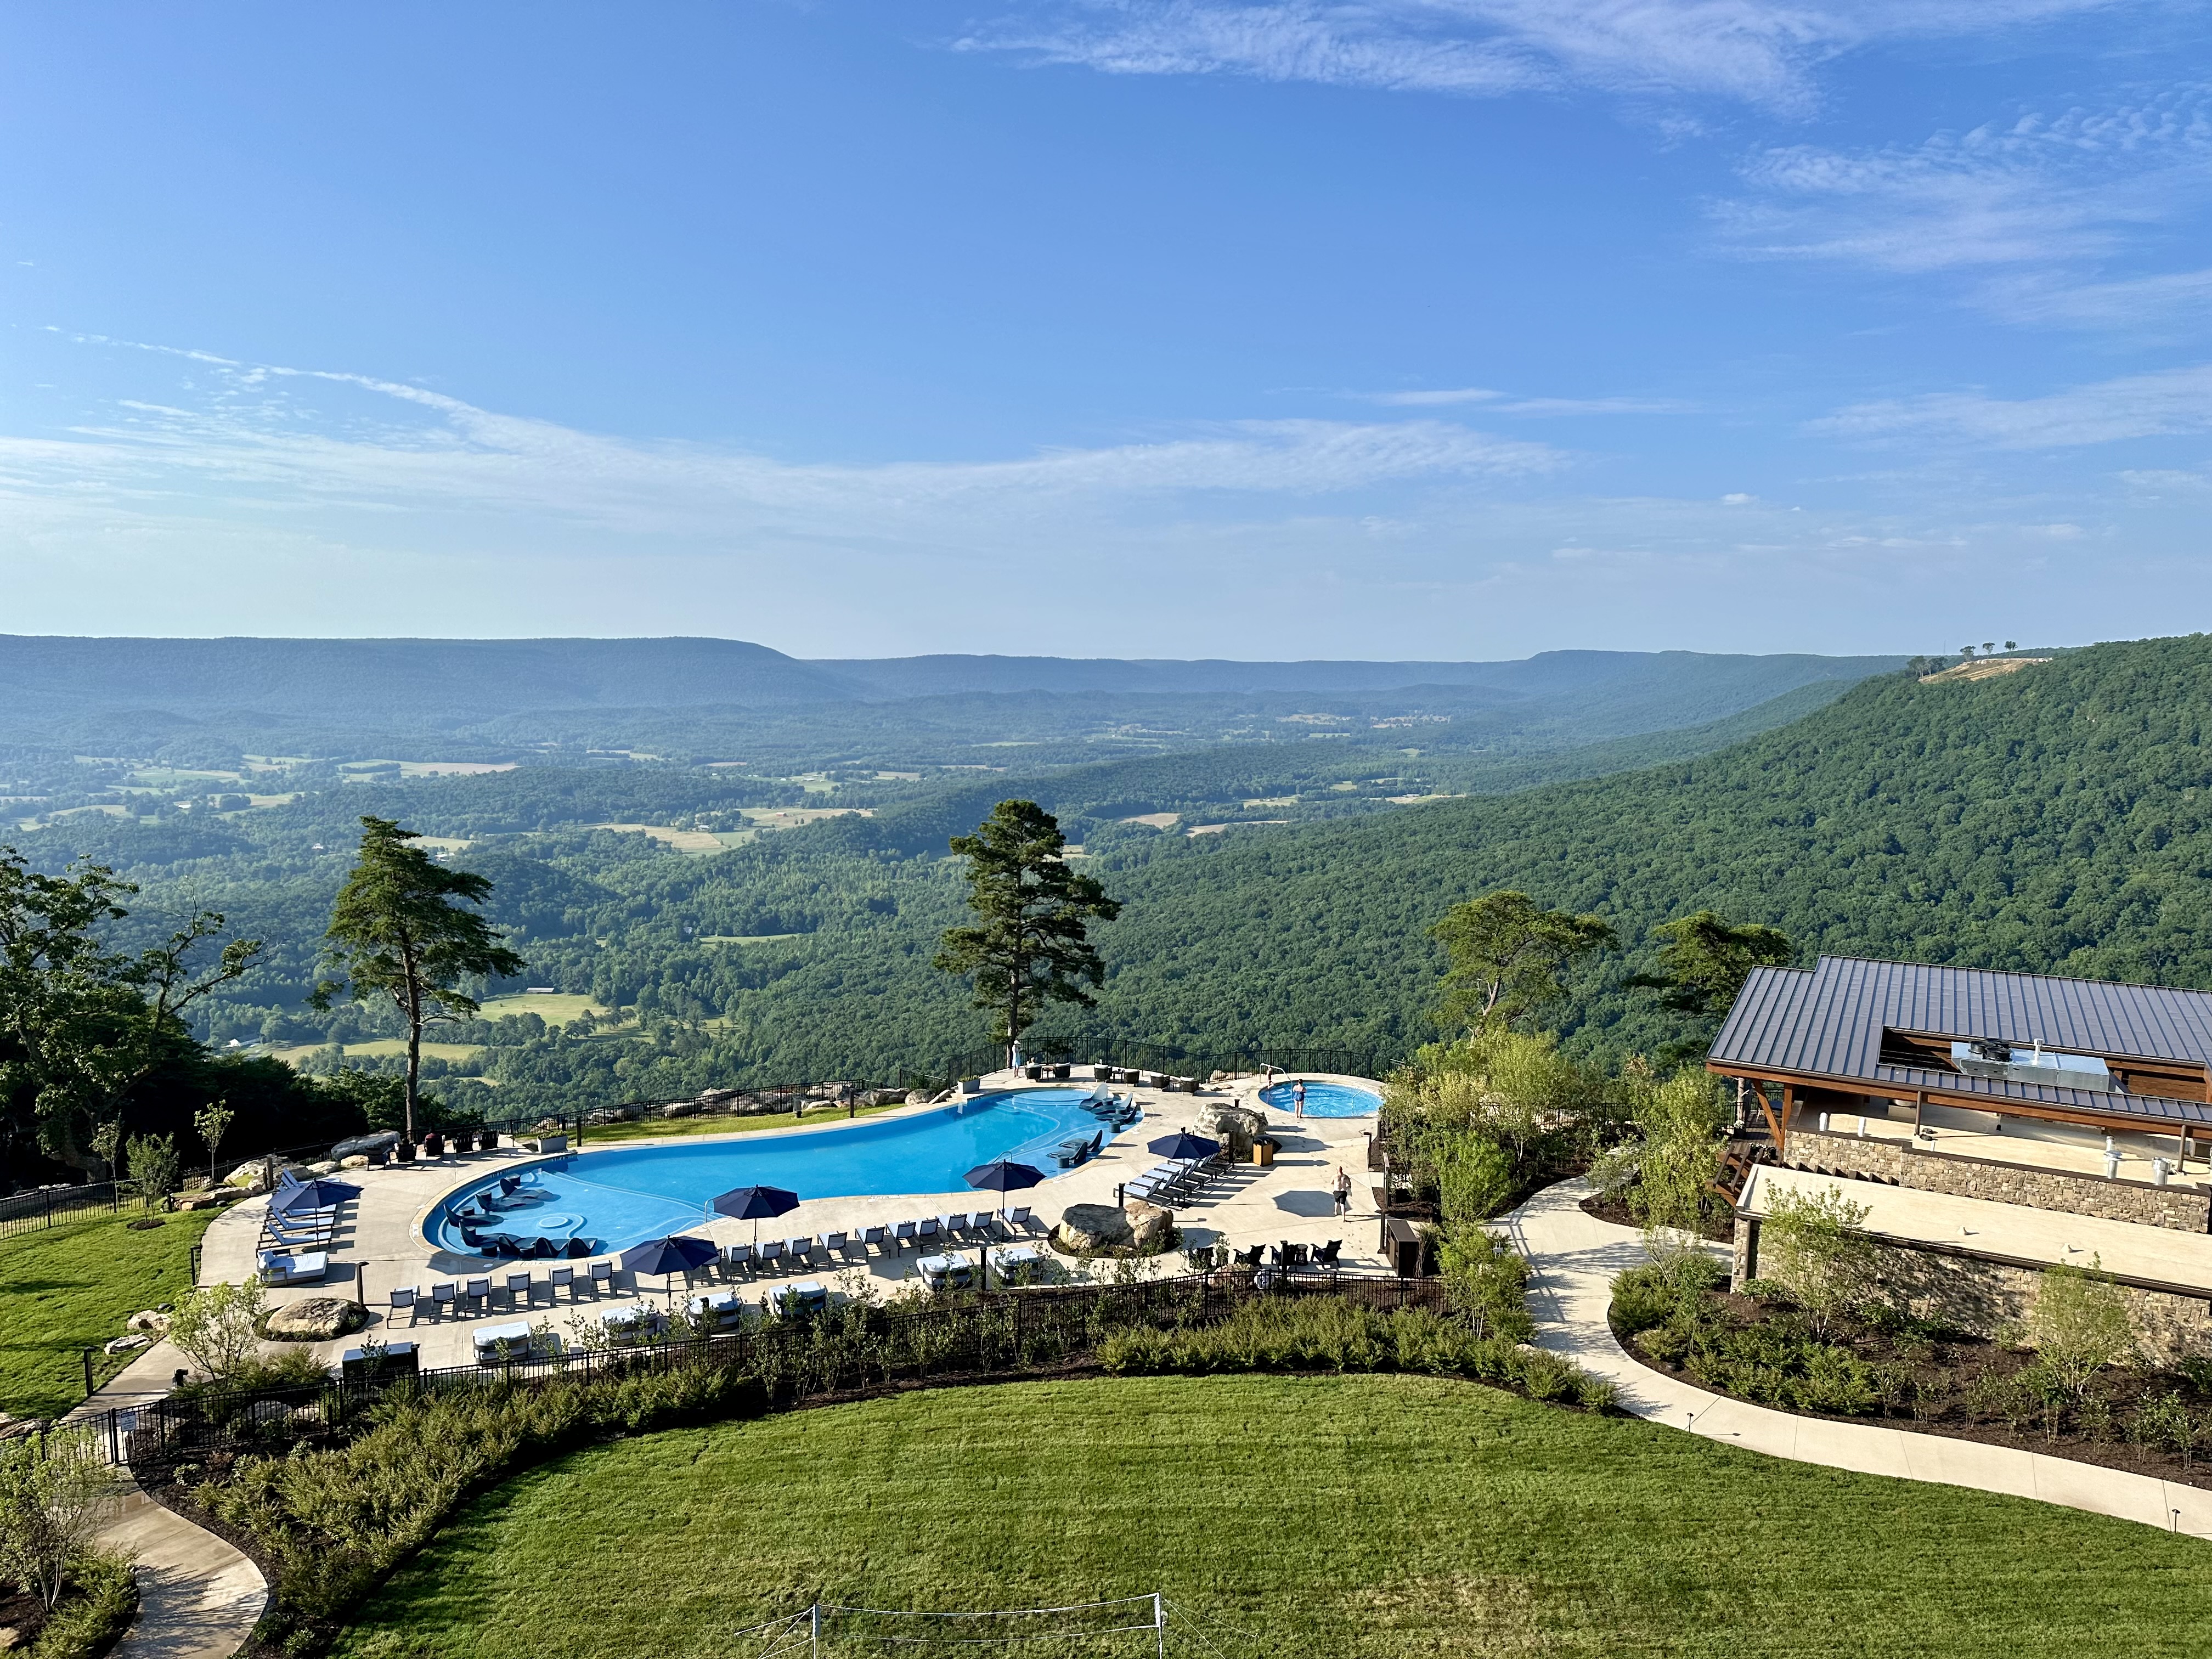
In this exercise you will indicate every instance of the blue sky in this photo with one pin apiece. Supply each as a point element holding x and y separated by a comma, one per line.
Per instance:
<point>1460,329</point>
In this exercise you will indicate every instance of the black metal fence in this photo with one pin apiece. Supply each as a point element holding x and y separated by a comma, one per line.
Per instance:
<point>851,1349</point>
<point>1202,1060</point>
<point>48,1206</point>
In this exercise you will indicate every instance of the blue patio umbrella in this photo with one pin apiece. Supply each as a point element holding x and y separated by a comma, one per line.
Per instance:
<point>1183,1145</point>
<point>669,1257</point>
<point>313,1196</point>
<point>1001,1175</point>
<point>752,1203</point>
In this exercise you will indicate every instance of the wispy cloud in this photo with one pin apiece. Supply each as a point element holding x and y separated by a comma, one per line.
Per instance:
<point>2030,211</point>
<point>1499,402</point>
<point>1757,51</point>
<point>262,433</point>
<point>2165,403</point>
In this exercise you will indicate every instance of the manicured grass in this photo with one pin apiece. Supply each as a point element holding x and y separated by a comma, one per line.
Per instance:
<point>1351,1516</point>
<point>655,1129</point>
<point>69,1287</point>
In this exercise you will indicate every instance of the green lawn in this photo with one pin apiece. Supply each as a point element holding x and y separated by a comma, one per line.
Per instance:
<point>1339,1517</point>
<point>69,1287</point>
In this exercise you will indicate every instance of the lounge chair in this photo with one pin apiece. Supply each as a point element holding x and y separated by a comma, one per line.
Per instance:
<point>797,1300</point>
<point>954,1223</point>
<point>833,1244</point>
<point>876,1235</point>
<point>477,1291</point>
<point>924,1230</point>
<point>283,1267</point>
<point>443,1297</point>
<point>1017,1262</point>
<point>603,1276</point>
<point>1018,1218</point>
<point>1068,1153</point>
<point>722,1308</point>
<point>939,1271</point>
<point>404,1298</point>
<point>798,1251</point>
<point>771,1253</point>
<point>561,1279</point>
<point>738,1256</point>
<point>518,1290</point>
<point>902,1235</point>
<point>576,1250</point>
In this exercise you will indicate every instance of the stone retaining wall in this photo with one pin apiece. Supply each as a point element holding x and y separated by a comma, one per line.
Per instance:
<point>1900,1163</point>
<point>1946,1284</point>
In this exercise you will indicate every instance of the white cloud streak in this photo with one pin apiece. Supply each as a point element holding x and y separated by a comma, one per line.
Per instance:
<point>1755,52</point>
<point>2028,212</point>
<point>2169,402</point>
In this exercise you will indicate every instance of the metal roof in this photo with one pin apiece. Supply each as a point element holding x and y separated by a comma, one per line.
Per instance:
<point>1828,1021</point>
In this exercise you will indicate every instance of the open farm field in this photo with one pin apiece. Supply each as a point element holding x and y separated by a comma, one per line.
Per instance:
<point>554,1008</point>
<point>1337,1516</point>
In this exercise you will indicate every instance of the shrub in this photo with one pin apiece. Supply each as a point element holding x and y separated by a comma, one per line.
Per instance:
<point>1488,1282</point>
<point>2079,1324</point>
<point>1815,1247</point>
<point>54,1493</point>
<point>217,1326</point>
<point>92,1619</point>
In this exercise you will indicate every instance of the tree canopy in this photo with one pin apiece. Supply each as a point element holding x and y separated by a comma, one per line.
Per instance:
<point>1031,946</point>
<point>1510,957</point>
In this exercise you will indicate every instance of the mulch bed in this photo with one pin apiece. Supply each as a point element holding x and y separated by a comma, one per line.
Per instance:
<point>25,1615</point>
<point>1950,1362</point>
<point>1616,1210</point>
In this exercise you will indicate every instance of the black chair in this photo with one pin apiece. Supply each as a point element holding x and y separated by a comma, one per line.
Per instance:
<point>1252,1257</point>
<point>1326,1255</point>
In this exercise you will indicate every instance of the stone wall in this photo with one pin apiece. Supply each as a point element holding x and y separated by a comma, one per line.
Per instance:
<point>1985,1297</point>
<point>2183,1209</point>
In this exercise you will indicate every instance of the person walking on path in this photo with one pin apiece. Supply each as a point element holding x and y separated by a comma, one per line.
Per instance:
<point>1343,1190</point>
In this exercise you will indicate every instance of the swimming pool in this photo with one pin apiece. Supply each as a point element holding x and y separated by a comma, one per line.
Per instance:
<point>1325,1099</point>
<point>614,1198</point>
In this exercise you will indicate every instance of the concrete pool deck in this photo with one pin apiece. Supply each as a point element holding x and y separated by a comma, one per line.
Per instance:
<point>381,1245</point>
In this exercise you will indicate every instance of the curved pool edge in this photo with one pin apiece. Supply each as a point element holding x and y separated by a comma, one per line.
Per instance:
<point>1245,1091</point>
<point>418,1225</point>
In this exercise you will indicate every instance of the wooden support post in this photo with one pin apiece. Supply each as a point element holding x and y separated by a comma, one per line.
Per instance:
<point>1774,1125</point>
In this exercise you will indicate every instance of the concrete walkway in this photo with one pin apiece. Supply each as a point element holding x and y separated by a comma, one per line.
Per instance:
<point>198,1597</point>
<point>1574,1257</point>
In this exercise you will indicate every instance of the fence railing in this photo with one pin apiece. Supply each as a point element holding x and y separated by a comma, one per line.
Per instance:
<point>849,1349</point>
<point>47,1206</point>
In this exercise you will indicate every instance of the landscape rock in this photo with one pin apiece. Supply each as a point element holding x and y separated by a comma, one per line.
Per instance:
<point>1237,1127</point>
<point>1150,1227</point>
<point>21,1428</point>
<point>317,1319</point>
<point>247,1176</point>
<point>680,1109</point>
<point>147,1319</point>
<point>129,1344</point>
<point>10,1637</point>
<point>358,1161</point>
<point>324,1166</point>
<point>206,1200</point>
<point>1094,1229</point>
<point>360,1145</point>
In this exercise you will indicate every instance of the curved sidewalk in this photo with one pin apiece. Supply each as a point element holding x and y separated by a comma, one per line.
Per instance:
<point>198,1598</point>
<point>1573,1258</point>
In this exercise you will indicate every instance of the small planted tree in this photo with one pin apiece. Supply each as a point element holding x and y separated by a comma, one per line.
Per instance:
<point>154,1165</point>
<point>55,1490</point>
<point>1679,1152</point>
<point>2079,1324</point>
<point>108,1146</point>
<point>401,930</point>
<point>217,1326</point>
<point>1510,957</point>
<point>1811,1243</point>
<point>211,1122</point>
<point>1031,944</point>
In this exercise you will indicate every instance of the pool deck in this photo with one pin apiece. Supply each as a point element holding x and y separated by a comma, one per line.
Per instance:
<point>380,1243</point>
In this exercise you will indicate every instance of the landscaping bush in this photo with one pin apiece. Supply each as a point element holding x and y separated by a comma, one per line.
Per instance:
<point>94,1616</point>
<point>1488,1282</point>
<point>1327,1334</point>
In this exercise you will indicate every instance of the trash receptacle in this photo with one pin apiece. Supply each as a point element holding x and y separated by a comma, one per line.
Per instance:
<point>1263,1152</point>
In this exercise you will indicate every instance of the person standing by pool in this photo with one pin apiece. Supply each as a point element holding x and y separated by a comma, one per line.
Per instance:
<point>1343,1190</point>
<point>1299,1098</point>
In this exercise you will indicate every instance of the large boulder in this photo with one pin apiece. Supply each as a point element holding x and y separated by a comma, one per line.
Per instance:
<point>147,1319</point>
<point>317,1319</point>
<point>1094,1229</point>
<point>1237,1127</point>
<point>365,1145</point>
<point>247,1174</point>
<point>1150,1227</point>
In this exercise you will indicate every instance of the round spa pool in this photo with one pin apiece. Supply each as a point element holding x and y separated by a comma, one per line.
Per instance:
<point>1324,1099</point>
<point>611,1199</point>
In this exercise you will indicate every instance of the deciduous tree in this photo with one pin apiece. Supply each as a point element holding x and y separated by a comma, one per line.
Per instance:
<point>1510,957</point>
<point>1031,946</point>
<point>1707,958</point>
<point>400,930</point>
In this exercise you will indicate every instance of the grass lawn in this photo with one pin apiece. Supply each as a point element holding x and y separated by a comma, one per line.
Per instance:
<point>1356,1515</point>
<point>69,1287</point>
<point>656,1128</point>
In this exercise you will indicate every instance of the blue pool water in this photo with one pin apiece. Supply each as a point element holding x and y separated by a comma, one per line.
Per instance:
<point>1326,1099</point>
<point>614,1199</point>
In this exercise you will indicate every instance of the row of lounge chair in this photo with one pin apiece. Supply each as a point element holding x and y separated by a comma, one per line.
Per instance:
<point>1175,1183</point>
<point>467,1297</point>
<point>893,1238</point>
<point>287,1252</point>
